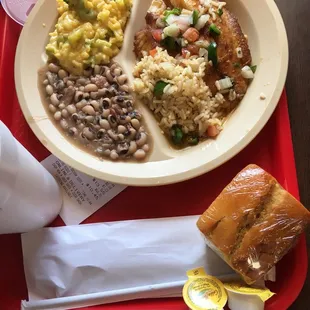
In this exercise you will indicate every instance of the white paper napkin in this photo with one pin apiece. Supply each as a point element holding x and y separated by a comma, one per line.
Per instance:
<point>145,258</point>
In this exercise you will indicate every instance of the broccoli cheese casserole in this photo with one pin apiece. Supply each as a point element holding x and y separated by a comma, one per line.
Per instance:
<point>88,32</point>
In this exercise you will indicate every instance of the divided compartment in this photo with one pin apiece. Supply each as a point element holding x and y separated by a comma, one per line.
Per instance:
<point>161,149</point>
<point>165,164</point>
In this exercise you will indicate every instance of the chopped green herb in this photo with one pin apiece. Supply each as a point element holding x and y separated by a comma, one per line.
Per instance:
<point>237,65</point>
<point>167,13</point>
<point>159,88</point>
<point>176,134</point>
<point>253,68</point>
<point>170,44</point>
<point>195,17</point>
<point>219,12</point>
<point>214,30</point>
<point>192,140</point>
<point>212,53</point>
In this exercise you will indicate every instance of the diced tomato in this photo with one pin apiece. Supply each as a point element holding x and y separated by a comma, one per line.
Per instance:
<point>153,52</point>
<point>190,49</point>
<point>193,49</point>
<point>212,131</point>
<point>191,34</point>
<point>156,33</point>
<point>185,51</point>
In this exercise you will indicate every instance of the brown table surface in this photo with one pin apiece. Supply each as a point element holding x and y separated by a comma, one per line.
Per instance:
<point>296,16</point>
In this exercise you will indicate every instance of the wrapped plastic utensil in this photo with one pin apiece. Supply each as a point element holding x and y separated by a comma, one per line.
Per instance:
<point>114,261</point>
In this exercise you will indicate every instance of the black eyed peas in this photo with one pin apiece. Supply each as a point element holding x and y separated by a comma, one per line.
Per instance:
<point>97,110</point>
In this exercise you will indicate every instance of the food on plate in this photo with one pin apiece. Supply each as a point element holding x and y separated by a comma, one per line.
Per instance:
<point>186,4</point>
<point>144,41</point>
<point>87,93</point>
<point>175,91</point>
<point>88,32</point>
<point>233,53</point>
<point>205,32</point>
<point>253,223</point>
<point>96,110</point>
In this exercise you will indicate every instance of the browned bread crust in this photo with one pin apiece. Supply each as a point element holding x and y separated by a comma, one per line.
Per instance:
<point>253,223</point>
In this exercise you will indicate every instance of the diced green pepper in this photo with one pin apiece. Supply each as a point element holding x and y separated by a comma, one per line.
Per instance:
<point>214,30</point>
<point>176,134</point>
<point>170,44</point>
<point>192,140</point>
<point>195,17</point>
<point>159,88</point>
<point>253,68</point>
<point>212,53</point>
<point>175,11</point>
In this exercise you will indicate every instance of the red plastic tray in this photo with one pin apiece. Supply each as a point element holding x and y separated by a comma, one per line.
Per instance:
<point>272,150</point>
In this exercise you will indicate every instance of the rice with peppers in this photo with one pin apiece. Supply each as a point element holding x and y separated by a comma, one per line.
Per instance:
<point>184,100</point>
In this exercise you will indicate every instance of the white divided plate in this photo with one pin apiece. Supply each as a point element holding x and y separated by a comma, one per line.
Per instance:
<point>260,20</point>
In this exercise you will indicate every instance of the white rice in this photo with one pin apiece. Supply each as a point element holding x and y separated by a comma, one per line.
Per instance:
<point>187,100</point>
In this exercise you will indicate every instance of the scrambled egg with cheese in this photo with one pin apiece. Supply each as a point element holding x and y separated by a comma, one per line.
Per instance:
<point>88,32</point>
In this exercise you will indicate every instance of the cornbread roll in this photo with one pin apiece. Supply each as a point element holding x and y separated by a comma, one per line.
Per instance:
<point>253,223</point>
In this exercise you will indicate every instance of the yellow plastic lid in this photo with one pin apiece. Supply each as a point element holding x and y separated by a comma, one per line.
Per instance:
<point>204,292</point>
<point>238,287</point>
